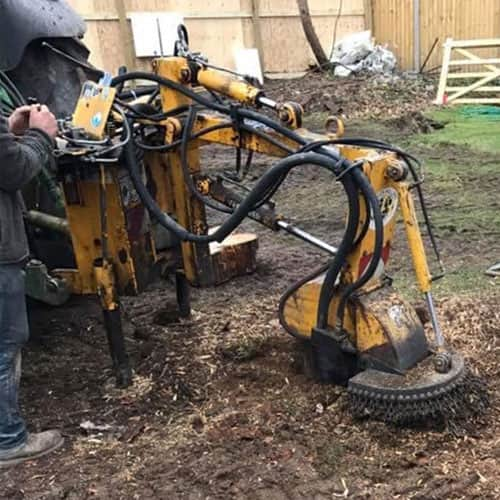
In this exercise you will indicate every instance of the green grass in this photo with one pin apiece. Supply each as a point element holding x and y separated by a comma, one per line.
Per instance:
<point>464,279</point>
<point>462,168</point>
<point>465,127</point>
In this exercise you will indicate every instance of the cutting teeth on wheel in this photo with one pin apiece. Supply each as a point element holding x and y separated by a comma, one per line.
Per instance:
<point>450,405</point>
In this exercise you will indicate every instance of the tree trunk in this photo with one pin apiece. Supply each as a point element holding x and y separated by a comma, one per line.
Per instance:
<point>310,33</point>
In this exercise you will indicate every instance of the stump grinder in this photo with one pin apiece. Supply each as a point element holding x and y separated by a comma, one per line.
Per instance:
<point>129,198</point>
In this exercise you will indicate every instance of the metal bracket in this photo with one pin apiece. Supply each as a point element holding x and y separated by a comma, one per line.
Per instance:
<point>40,285</point>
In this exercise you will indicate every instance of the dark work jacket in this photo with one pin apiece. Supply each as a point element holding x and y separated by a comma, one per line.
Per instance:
<point>21,159</point>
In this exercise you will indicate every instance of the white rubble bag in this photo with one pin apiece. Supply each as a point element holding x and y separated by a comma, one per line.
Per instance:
<point>357,52</point>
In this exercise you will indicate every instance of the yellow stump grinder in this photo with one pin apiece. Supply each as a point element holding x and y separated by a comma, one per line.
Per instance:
<point>135,197</point>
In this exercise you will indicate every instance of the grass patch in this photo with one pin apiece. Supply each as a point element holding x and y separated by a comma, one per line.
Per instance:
<point>463,279</point>
<point>465,126</point>
<point>462,166</point>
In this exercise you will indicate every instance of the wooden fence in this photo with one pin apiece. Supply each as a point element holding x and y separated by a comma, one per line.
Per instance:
<point>217,27</point>
<point>410,27</point>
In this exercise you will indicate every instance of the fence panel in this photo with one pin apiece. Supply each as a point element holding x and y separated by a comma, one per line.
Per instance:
<point>217,27</point>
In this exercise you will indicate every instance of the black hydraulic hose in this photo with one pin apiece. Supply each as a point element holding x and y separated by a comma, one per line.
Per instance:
<point>139,92</point>
<point>153,117</point>
<point>269,122</point>
<point>360,141</point>
<point>373,209</point>
<point>374,205</point>
<point>339,260</point>
<point>133,168</point>
<point>268,180</point>
<point>408,158</point>
<point>188,179</point>
<point>142,75</point>
<point>168,147</point>
<point>221,108</point>
<point>186,137</point>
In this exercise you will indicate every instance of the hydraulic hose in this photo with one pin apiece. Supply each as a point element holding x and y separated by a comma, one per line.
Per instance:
<point>326,157</point>
<point>407,157</point>
<point>186,137</point>
<point>169,147</point>
<point>142,75</point>
<point>134,171</point>
<point>265,183</point>
<point>339,260</point>
<point>188,179</point>
<point>373,204</point>
<point>373,209</point>
<point>221,108</point>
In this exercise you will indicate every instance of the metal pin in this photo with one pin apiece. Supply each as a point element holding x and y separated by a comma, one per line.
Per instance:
<point>438,335</point>
<point>303,235</point>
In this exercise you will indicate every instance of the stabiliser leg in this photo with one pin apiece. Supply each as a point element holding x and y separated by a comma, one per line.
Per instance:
<point>114,332</point>
<point>182,289</point>
<point>106,286</point>
<point>112,322</point>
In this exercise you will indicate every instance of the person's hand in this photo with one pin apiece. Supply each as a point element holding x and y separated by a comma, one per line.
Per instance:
<point>41,118</point>
<point>19,120</point>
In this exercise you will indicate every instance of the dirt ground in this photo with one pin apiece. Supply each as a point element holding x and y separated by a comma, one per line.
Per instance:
<point>220,408</point>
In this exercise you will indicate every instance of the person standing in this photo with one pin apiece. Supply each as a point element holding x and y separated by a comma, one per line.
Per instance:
<point>26,145</point>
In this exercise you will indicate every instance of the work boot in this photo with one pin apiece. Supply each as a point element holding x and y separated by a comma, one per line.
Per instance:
<point>36,446</point>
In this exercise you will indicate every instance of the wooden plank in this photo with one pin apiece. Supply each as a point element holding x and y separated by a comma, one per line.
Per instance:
<point>480,89</point>
<point>257,32</point>
<point>444,72</point>
<point>460,76</point>
<point>491,42</point>
<point>474,57</point>
<point>462,20</point>
<point>110,16</point>
<point>368,11</point>
<point>468,62</point>
<point>475,85</point>
<point>283,45</point>
<point>125,35</point>
<point>478,100</point>
<point>393,25</point>
<point>317,13</point>
<point>284,8</point>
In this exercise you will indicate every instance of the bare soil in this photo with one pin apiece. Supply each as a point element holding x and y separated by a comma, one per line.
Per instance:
<point>220,408</point>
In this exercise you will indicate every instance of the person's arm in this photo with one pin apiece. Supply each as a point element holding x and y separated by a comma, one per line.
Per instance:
<point>21,158</point>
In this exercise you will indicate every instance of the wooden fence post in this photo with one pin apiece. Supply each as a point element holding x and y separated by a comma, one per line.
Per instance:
<point>257,33</point>
<point>416,35</point>
<point>125,34</point>
<point>368,11</point>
